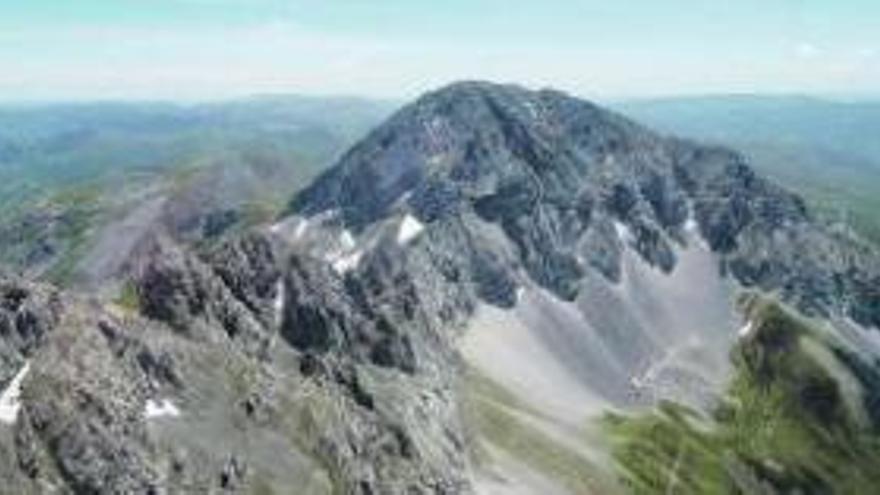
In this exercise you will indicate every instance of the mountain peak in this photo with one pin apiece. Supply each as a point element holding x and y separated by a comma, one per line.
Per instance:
<point>464,140</point>
<point>571,186</point>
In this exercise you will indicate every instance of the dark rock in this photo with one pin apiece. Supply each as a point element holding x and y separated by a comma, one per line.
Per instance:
<point>551,171</point>
<point>233,474</point>
<point>182,290</point>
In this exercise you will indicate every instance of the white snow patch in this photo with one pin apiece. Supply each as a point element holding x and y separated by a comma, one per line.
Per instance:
<point>344,257</point>
<point>692,228</point>
<point>165,408</point>
<point>410,228</point>
<point>278,304</point>
<point>436,159</point>
<point>346,240</point>
<point>290,229</point>
<point>301,228</point>
<point>9,400</point>
<point>746,330</point>
<point>623,232</point>
<point>348,262</point>
<point>281,226</point>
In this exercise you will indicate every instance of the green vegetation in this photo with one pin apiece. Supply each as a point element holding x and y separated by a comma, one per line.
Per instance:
<point>793,420</point>
<point>79,209</point>
<point>129,299</point>
<point>51,231</point>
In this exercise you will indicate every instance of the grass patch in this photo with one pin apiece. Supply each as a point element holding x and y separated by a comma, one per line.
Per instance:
<point>786,423</point>
<point>128,298</point>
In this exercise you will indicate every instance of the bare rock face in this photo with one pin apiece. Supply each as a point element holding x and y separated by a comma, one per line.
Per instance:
<point>569,183</point>
<point>380,353</point>
<point>186,292</point>
<point>95,434</point>
<point>768,239</point>
<point>28,313</point>
<point>319,315</point>
<point>84,376</point>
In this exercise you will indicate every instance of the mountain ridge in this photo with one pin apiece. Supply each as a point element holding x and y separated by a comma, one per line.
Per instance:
<point>673,179</point>
<point>485,273</point>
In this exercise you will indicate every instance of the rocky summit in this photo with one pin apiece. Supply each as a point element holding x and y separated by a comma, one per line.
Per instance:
<point>561,177</point>
<point>442,312</point>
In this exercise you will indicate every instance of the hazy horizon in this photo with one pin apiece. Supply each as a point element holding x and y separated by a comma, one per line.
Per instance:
<point>86,100</point>
<point>208,50</point>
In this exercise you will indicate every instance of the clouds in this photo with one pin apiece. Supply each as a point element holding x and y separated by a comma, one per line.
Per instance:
<point>807,50</point>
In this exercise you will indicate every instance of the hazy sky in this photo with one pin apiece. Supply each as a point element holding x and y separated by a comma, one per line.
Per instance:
<point>205,49</point>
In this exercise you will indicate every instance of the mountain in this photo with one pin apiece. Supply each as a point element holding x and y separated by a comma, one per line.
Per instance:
<point>822,149</point>
<point>539,165</point>
<point>495,291</point>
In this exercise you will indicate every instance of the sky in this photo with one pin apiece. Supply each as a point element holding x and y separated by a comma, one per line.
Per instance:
<point>215,49</point>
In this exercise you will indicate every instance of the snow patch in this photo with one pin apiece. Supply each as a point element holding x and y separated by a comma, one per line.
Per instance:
<point>344,258</point>
<point>692,228</point>
<point>9,400</point>
<point>746,330</point>
<point>165,408</point>
<point>348,262</point>
<point>623,233</point>
<point>278,304</point>
<point>346,240</point>
<point>301,228</point>
<point>410,228</point>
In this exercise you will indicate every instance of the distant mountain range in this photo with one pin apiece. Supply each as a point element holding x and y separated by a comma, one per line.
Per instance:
<point>76,178</point>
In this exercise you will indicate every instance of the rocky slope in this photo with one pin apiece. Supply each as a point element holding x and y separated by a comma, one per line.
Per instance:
<point>599,261</point>
<point>442,313</point>
<point>553,172</point>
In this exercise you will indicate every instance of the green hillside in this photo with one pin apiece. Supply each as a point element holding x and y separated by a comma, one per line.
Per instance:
<point>800,416</point>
